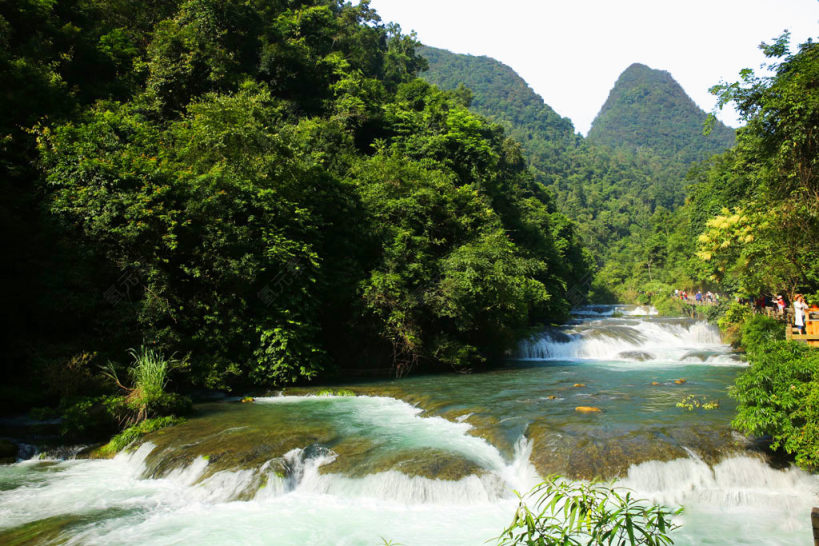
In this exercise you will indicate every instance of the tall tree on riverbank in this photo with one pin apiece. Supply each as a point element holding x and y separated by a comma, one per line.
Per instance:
<point>773,218</point>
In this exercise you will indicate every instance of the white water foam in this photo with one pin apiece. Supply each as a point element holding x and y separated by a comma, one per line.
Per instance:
<point>401,425</point>
<point>610,310</point>
<point>186,506</point>
<point>738,501</point>
<point>632,340</point>
<point>741,500</point>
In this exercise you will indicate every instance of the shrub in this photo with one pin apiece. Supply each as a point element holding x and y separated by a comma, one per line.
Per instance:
<point>90,418</point>
<point>668,305</point>
<point>574,513</point>
<point>778,396</point>
<point>759,330</point>
<point>735,314</point>
<point>713,313</point>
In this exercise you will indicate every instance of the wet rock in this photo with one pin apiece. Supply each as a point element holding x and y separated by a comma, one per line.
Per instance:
<point>636,355</point>
<point>570,451</point>
<point>232,437</point>
<point>356,459</point>
<point>53,530</point>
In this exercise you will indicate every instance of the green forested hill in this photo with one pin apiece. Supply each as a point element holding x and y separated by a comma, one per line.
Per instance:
<point>648,110</point>
<point>500,94</point>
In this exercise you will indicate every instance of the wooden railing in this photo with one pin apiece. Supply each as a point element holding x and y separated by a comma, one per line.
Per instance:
<point>811,335</point>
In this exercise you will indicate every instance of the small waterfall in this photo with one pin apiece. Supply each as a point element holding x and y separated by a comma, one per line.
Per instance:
<point>774,504</point>
<point>631,339</point>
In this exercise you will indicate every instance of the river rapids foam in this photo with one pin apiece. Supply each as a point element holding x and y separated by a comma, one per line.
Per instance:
<point>115,501</point>
<point>633,338</point>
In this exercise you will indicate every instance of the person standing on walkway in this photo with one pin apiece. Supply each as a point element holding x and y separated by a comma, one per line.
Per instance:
<point>799,308</point>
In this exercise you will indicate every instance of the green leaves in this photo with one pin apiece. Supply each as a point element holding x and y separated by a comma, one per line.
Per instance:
<point>777,396</point>
<point>575,513</point>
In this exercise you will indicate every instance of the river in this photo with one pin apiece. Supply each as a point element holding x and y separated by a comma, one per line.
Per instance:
<point>436,459</point>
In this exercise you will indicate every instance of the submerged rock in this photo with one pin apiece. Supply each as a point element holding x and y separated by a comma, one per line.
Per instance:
<point>53,530</point>
<point>231,437</point>
<point>588,409</point>
<point>358,460</point>
<point>570,452</point>
<point>636,355</point>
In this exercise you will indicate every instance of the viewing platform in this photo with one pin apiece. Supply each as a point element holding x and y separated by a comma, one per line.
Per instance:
<point>811,335</point>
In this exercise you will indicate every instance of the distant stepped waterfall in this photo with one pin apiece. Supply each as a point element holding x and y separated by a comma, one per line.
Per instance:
<point>629,335</point>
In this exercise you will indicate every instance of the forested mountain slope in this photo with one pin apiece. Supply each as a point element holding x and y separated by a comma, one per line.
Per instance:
<point>500,94</point>
<point>646,137</point>
<point>648,109</point>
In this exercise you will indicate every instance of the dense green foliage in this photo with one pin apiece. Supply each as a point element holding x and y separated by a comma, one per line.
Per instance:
<point>496,91</point>
<point>266,188</point>
<point>575,513</point>
<point>778,396</point>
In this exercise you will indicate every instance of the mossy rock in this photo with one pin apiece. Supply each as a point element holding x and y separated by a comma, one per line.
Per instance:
<point>355,460</point>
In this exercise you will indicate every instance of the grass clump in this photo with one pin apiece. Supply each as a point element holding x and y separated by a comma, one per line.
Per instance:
<point>149,373</point>
<point>335,392</point>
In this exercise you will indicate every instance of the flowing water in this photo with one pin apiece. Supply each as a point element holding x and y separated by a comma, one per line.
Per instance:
<point>435,460</point>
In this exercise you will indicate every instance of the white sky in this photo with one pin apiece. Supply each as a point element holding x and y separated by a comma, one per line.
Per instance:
<point>572,51</point>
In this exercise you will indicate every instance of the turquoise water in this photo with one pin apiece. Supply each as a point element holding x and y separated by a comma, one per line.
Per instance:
<point>435,460</point>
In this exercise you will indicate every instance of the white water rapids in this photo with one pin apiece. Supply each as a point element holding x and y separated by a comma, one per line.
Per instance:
<point>738,500</point>
<point>635,337</point>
